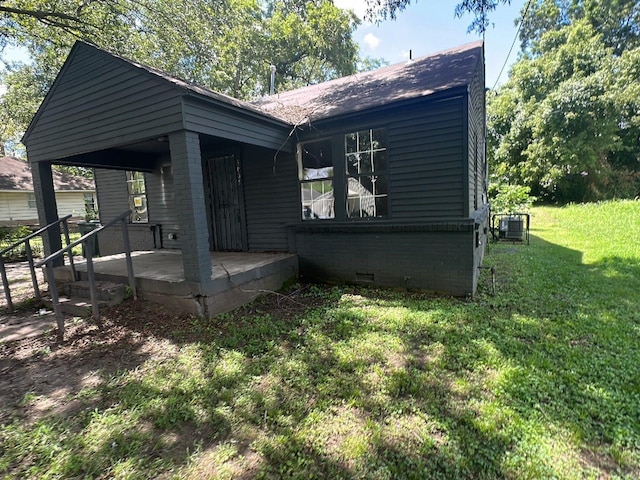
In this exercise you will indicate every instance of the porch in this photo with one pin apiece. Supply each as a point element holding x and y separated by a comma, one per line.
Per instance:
<point>237,278</point>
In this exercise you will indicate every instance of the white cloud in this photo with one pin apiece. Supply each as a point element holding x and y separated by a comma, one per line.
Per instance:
<point>3,90</point>
<point>359,7</point>
<point>371,41</point>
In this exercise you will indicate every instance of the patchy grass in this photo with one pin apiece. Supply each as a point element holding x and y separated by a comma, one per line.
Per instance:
<point>19,253</point>
<point>541,380</point>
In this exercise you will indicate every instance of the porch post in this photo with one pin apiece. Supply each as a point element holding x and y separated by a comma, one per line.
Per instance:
<point>189,202</point>
<point>47,207</point>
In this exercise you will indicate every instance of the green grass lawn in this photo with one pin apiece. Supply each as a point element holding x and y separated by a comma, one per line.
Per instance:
<point>540,380</point>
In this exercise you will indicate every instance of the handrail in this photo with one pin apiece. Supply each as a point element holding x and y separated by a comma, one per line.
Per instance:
<point>34,234</point>
<point>90,271</point>
<point>27,245</point>
<point>62,251</point>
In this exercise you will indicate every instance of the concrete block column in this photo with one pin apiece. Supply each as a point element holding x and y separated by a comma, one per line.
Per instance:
<point>189,202</point>
<point>47,207</point>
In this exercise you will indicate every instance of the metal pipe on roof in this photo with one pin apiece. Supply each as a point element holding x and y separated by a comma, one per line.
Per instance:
<point>272,86</point>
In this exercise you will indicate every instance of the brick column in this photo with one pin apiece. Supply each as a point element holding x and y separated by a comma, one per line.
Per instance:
<point>189,202</point>
<point>47,207</point>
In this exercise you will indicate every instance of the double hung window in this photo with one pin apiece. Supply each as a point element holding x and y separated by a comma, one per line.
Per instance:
<point>316,179</point>
<point>137,197</point>
<point>366,173</point>
<point>356,171</point>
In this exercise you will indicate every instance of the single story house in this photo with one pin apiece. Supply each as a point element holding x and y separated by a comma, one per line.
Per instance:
<point>377,178</point>
<point>74,194</point>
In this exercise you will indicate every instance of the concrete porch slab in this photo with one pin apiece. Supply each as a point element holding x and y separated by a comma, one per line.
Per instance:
<point>237,278</point>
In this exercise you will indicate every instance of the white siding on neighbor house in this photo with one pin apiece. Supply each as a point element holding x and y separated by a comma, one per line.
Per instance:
<point>71,203</point>
<point>14,206</point>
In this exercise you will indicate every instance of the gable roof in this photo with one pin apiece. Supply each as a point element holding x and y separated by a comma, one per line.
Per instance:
<point>409,80</point>
<point>423,76</point>
<point>16,175</point>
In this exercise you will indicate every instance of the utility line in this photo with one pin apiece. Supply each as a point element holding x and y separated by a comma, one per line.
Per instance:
<point>524,15</point>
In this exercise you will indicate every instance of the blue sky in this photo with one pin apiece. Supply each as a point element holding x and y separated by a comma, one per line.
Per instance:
<point>429,26</point>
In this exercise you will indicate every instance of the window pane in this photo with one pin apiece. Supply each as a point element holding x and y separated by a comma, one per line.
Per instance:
<point>138,207</point>
<point>379,161</point>
<point>364,140</point>
<point>379,139</point>
<point>367,196</point>
<point>317,199</point>
<point>317,173</point>
<point>137,197</point>
<point>365,163</point>
<point>353,161</point>
<point>317,155</point>
<point>351,142</point>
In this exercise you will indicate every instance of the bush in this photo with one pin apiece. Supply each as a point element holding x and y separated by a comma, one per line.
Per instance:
<point>507,198</point>
<point>10,235</point>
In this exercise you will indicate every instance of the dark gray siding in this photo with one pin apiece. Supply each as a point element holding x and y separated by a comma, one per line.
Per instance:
<point>99,102</point>
<point>162,213</point>
<point>200,117</point>
<point>110,241</point>
<point>426,161</point>
<point>113,200</point>
<point>428,241</point>
<point>478,171</point>
<point>111,189</point>
<point>438,261</point>
<point>271,197</point>
<point>476,145</point>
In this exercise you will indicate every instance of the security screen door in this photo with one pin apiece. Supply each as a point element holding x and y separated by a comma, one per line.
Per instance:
<point>224,198</point>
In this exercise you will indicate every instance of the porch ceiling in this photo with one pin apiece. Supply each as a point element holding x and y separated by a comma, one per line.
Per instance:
<point>141,156</point>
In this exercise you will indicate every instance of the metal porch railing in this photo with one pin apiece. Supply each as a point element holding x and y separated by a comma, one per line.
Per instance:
<point>27,243</point>
<point>88,248</point>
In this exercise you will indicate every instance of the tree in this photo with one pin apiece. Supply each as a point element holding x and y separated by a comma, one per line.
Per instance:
<point>566,123</point>
<point>226,46</point>
<point>618,21</point>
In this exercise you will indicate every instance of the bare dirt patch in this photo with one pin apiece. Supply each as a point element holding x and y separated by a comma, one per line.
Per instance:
<point>41,376</point>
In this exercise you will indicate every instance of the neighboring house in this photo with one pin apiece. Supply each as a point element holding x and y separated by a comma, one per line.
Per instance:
<point>377,178</point>
<point>18,202</point>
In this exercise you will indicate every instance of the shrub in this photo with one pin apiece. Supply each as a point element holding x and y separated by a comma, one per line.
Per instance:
<point>10,235</point>
<point>507,198</point>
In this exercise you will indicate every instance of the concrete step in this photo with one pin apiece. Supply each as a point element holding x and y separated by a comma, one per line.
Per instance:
<point>106,291</point>
<point>75,297</point>
<point>78,307</point>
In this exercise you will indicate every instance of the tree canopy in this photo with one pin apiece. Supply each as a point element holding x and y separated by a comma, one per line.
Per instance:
<point>567,122</point>
<point>227,46</point>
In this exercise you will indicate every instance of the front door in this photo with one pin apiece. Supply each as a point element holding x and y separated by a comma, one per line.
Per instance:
<point>224,198</point>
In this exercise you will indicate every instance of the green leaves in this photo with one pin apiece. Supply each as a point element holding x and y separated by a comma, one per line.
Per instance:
<point>226,46</point>
<point>566,122</point>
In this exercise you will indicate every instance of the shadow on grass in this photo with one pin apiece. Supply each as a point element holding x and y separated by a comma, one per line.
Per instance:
<point>540,380</point>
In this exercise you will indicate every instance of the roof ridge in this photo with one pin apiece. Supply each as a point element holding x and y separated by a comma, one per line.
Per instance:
<point>458,49</point>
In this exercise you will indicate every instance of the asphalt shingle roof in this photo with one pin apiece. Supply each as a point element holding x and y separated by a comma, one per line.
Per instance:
<point>418,78</point>
<point>16,175</point>
<point>413,79</point>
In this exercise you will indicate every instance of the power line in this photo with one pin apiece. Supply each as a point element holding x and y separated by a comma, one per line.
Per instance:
<point>524,15</point>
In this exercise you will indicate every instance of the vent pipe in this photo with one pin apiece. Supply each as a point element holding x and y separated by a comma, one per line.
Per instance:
<point>410,61</point>
<point>272,87</point>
